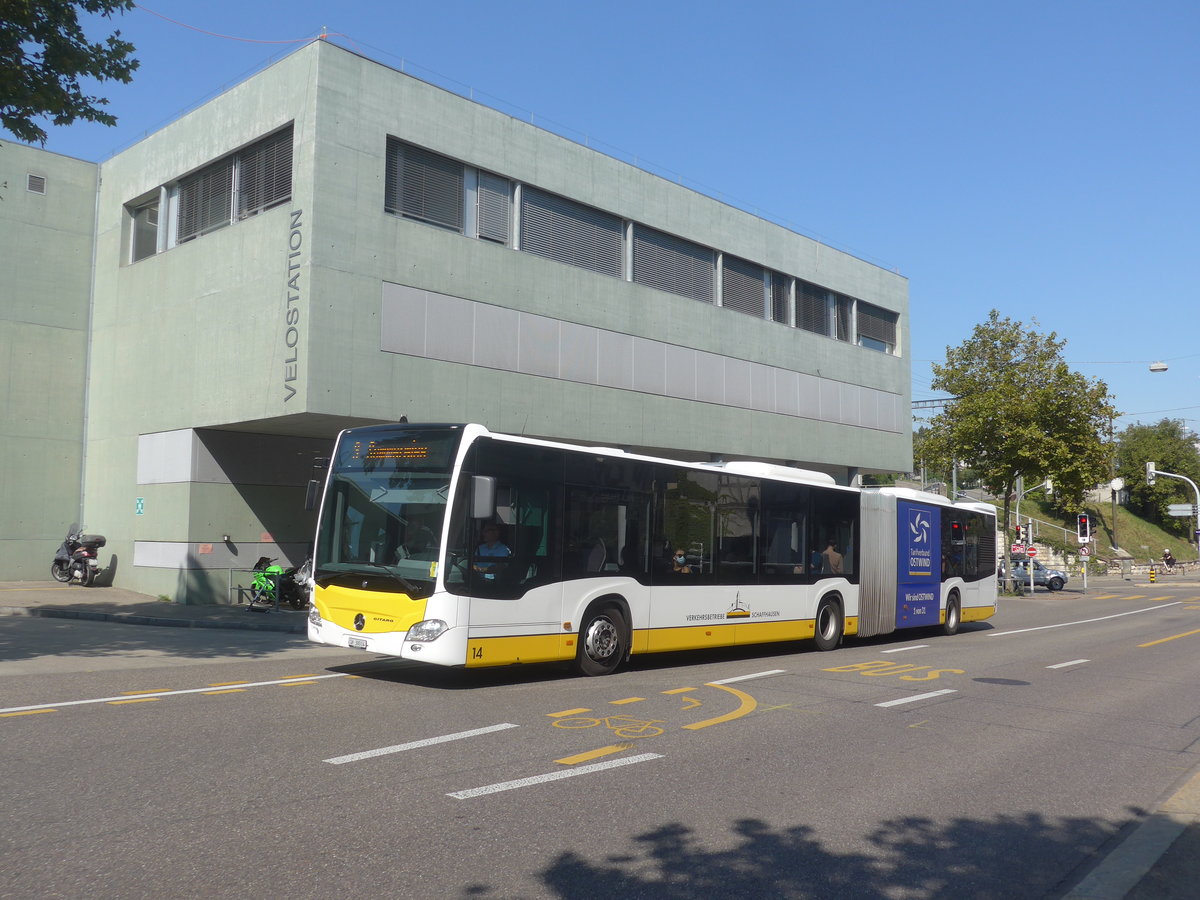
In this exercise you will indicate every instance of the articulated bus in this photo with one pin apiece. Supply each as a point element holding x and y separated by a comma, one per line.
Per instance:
<point>453,545</point>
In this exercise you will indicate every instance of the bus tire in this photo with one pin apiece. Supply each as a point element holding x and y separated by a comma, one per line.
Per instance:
<point>953,615</point>
<point>827,628</point>
<point>603,641</point>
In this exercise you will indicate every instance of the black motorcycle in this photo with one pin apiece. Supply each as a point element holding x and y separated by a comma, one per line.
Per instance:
<point>77,559</point>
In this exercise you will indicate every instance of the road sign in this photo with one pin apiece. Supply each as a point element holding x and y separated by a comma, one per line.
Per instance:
<point>1016,549</point>
<point>1031,552</point>
<point>1085,551</point>
<point>1181,509</point>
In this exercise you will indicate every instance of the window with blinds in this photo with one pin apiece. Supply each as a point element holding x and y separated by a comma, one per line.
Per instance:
<point>205,200</point>
<point>812,308</point>
<point>845,318</point>
<point>779,298</point>
<point>876,328</point>
<point>423,185</point>
<point>493,207</point>
<point>743,286</point>
<point>672,264</point>
<point>265,173</point>
<point>561,229</point>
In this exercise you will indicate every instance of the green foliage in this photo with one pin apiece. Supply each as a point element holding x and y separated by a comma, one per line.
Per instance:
<point>43,55</point>
<point>1020,412</point>
<point>1172,448</point>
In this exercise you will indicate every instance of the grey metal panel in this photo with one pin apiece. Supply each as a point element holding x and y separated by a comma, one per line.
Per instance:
<point>539,345</point>
<point>615,365</point>
<point>577,351</point>
<point>165,457</point>
<point>681,372</point>
<point>649,366</point>
<point>809,391</point>
<point>737,383</point>
<point>402,320</point>
<point>762,387</point>
<point>848,402</point>
<point>787,392</point>
<point>450,330</point>
<point>710,377</point>
<point>497,333</point>
<point>868,412</point>
<point>877,597</point>
<point>830,400</point>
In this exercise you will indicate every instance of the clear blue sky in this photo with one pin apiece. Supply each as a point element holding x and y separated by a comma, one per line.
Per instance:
<point>1033,156</point>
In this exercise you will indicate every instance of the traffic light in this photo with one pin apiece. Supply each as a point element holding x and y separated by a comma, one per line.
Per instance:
<point>1020,536</point>
<point>1150,474</point>
<point>956,534</point>
<point>1083,527</point>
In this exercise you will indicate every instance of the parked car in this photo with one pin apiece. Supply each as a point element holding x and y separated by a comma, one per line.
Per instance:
<point>1051,579</point>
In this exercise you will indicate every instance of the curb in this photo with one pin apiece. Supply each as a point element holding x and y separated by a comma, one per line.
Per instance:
<point>136,619</point>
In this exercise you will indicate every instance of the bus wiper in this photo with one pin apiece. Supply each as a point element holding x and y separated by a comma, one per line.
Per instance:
<point>408,586</point>
<point>331,577</point>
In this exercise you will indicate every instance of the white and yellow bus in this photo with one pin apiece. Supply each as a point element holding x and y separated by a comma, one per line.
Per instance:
<point>594,554</point>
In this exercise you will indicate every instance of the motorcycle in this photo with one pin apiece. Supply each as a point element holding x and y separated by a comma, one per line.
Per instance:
<point>273,585</point>
<point>77,559</point>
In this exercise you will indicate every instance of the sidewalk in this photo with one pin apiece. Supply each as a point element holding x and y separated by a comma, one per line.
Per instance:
<point>110,604</point>
<point>1158,860</point>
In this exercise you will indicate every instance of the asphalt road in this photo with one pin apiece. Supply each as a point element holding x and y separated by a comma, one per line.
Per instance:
<point>1002,762</point>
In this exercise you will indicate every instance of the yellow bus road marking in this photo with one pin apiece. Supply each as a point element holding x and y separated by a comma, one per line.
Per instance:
<point>1135,596</point>
<point>1173,637</point>
<point>137,693</point>
<point>552,776</point>
<point>593,754</point>
<point>294,683</point>
<point>568,712</point>
<point>203,690</point>
<point>1159,599</point>
<point>414,745</point>
<point>133,700</point>
<point>679,690</point>
<point>626,700</point>
<point>226,683</point>
<point>692,703</point>
<point>1105,596</point>
<point>27,712</point>
<point>747,706</point>
<point>226,691</point>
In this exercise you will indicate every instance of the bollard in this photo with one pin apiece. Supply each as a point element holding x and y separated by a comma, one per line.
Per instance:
<point>1152,573</point>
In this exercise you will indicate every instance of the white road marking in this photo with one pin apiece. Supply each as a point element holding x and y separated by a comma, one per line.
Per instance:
<point>1074,662</point>
<point>915,697</point>
<point>1132,612</point>
<point>902,649</point>
<point>413,745</point>
<point>551,776</point>
<point>202,690</point>
<point>747,677</point>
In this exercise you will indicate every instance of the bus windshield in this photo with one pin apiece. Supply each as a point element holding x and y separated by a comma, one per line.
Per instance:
<point>385,505</point>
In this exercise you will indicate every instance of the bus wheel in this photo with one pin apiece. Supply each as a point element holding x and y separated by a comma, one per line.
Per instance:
<point>827,631</point>
<point>953,616</point>
<point>603,641</point>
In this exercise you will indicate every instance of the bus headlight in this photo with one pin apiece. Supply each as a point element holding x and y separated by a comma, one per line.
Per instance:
<point>314,617</point>
<point>428,630</point>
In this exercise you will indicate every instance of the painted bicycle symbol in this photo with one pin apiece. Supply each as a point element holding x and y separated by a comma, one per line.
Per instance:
<point>622,726</point>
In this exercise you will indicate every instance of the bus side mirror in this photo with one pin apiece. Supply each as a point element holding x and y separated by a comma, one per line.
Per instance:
<point>483,496</point>
<point>310,494</point>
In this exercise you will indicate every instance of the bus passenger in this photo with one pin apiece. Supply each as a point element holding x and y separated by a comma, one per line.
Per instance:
<point>831,559</point>
<point>679,562</point>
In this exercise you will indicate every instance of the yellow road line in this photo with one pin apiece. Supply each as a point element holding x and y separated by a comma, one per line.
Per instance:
<point>593,754</point>
<point>27,712</point>
<point>568,712</point>
<point>135,693</point>
<point>748,706</point>
<point>1135,597</point>
<point>1172,638</point>
<point>679,690</point>
<point>227,683</point>
<point>1158,599</point>
<point>626,700</point>
<point>226,691</point>
<point>295,683</point>
<point>133,700</point>
<point>1105,596</point>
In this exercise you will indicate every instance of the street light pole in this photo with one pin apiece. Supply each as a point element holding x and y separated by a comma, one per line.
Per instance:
<point>1196,532</point>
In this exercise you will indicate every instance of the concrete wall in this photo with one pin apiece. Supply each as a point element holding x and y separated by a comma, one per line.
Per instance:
<point>46,244</point>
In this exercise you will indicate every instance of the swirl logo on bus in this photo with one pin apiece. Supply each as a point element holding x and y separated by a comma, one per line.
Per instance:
<point>920,549</point>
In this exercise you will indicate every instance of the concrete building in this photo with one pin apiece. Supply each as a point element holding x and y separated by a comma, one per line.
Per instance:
<point>185,326</point>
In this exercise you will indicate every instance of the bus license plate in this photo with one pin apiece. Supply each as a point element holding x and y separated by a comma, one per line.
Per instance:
<point>357,643</point>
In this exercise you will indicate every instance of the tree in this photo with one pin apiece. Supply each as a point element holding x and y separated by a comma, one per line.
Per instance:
<point>43,55</point>
<point>1020,412</point>
<point>1172,448</point>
